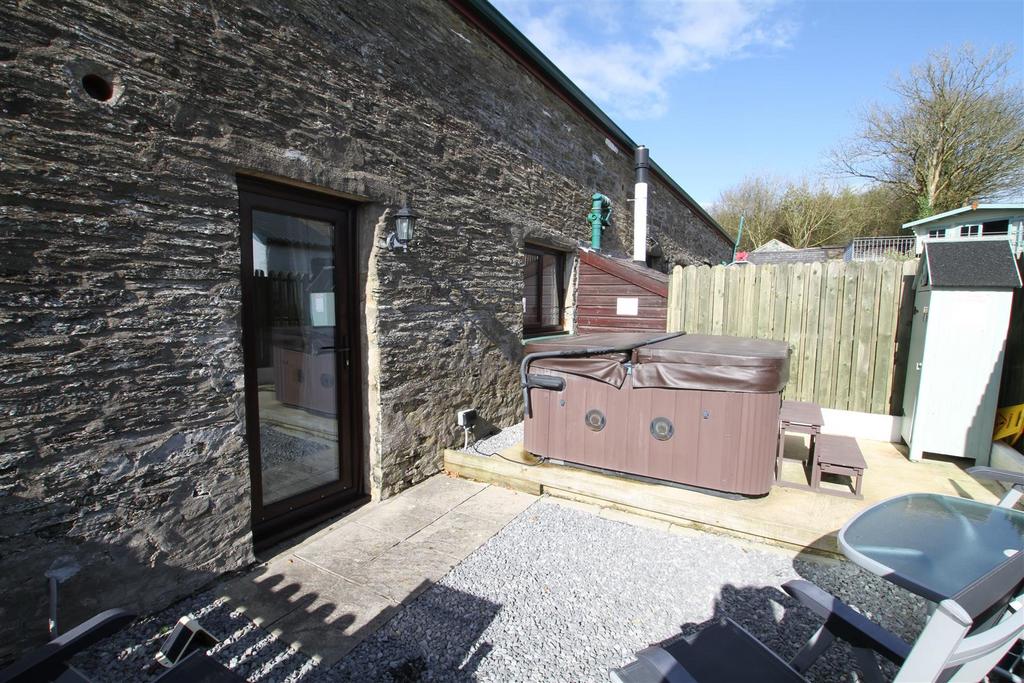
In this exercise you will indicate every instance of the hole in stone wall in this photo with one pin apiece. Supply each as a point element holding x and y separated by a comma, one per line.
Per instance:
<point>97,87</point>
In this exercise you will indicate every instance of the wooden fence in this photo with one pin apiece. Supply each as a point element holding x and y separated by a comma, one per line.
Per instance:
<point>847,323</point>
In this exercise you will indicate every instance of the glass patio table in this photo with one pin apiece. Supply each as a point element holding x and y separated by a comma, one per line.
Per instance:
<point>930,544</point>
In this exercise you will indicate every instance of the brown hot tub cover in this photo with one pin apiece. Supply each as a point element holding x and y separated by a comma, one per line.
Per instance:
<point>609,368</point>
<point>713,363</point>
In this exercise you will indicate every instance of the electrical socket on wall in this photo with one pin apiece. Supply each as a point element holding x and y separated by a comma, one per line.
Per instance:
<point>466,417</point>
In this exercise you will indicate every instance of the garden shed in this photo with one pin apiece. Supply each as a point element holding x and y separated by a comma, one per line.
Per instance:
<point>964,293</point>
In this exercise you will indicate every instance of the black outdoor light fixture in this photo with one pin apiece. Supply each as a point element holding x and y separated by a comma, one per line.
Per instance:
<point>405,225</point>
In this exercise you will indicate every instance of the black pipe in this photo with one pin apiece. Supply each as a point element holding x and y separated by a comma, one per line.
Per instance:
<point>569,353</point>
<point>642,163</point>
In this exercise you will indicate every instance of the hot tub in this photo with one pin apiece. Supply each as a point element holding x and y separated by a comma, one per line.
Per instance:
<point>698,410</point>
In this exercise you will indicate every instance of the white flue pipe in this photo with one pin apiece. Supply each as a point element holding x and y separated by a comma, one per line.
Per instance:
<point>640,204</point>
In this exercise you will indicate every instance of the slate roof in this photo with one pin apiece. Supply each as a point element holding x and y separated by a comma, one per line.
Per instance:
<point>809,255</point>
<point>983,264</point>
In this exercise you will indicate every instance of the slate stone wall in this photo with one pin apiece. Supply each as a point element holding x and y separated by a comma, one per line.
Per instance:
<point>121,393</point>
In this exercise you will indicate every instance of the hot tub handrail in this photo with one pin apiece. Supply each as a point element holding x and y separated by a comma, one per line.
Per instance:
<point>568,353</point>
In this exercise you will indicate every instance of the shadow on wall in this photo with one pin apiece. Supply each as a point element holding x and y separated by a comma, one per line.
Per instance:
<point>1011,388</point>
<point>129,576</point>
<point>107,576</point>
<point>978,437</point>
<point>484,319</point>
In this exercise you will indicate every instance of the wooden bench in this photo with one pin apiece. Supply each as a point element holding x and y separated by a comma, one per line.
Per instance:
<point>838,455</point>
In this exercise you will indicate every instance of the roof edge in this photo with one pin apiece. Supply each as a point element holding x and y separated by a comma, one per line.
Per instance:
<point>492,22</point>
<point>606,264</point>
<point>962,209</point>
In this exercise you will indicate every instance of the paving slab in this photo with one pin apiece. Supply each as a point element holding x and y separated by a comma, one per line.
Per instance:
<point>329,592</point>
<point>330,627</point>
<point>496,504</point>
<point>441,491</point>
<point>456,534</point>
<point>402,517</point>
<point>403,572</point>
<point>346,546</point>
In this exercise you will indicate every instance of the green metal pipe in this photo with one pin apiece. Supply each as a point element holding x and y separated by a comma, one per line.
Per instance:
<point>599,217</point>
<point>739,236</point>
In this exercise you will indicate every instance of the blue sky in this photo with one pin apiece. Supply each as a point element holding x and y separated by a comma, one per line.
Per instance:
<point>722,89</point>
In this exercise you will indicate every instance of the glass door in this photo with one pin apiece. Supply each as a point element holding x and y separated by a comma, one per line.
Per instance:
<point>297,282</point>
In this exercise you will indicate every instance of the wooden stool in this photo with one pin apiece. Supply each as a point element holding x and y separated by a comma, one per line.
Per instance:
<point>800,418</point>
<point>838,455</point>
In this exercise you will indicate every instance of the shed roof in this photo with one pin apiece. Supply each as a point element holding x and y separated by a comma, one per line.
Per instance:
<point>983,264</point>
<point>630,271</point>
<point>980,208</point>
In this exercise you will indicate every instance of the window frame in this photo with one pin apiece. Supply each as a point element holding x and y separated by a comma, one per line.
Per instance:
<point>972,230</point>
<point>987,231</point>
<point>535,329</point>
<point>938,233</point>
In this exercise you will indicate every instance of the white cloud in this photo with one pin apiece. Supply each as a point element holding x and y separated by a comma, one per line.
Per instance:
<point>625,55</point>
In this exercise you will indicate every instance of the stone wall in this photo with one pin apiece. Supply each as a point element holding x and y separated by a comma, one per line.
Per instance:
<point>122,441</point>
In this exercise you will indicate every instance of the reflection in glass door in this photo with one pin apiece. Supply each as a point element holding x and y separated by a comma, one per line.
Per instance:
<point>298,337</point>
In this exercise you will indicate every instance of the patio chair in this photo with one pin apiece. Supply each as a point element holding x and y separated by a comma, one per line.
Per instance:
<point>1014,479</point>
<point>51,662</point>
<point>964,640</point>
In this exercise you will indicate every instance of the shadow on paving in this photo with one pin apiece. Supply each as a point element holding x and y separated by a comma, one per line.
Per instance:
<point>407,653</point>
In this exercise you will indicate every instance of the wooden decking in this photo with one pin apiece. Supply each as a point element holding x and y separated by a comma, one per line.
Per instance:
<point>787,517</point>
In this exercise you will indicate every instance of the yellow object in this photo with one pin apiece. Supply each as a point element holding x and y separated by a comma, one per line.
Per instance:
<point>1009,423</point>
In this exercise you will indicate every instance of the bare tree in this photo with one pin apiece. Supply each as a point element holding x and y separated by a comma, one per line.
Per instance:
<point>757,199</point>
<point>956,134</point>
<point>875,211</point>
<point>812,216</point>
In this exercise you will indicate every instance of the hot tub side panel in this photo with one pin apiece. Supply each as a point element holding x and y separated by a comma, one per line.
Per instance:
<point>738,441</point>
<point>732,449</point>
<point>558,428</point>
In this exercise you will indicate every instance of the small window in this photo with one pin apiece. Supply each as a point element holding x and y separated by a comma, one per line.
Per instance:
<point>996,227</point>
<point>969,230</point>
<point>936,234</point>
<point>543,291</point>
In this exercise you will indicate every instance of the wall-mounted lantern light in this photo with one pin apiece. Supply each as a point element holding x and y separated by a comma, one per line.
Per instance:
<point>405,226</point>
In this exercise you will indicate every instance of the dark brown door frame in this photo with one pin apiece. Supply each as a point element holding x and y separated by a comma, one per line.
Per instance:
<point>560,261</point>
<point>279,520</point>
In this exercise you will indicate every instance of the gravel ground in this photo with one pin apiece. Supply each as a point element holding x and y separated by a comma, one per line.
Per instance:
<point>559,594</point>
<point>506,438</point>
<point>563,595</point>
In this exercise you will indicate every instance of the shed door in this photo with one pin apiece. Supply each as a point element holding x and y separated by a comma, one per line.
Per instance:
<point>915,356</point>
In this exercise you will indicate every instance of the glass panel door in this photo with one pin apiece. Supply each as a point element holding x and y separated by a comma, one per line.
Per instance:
<point>297,267</point>
<point>293,295</point>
